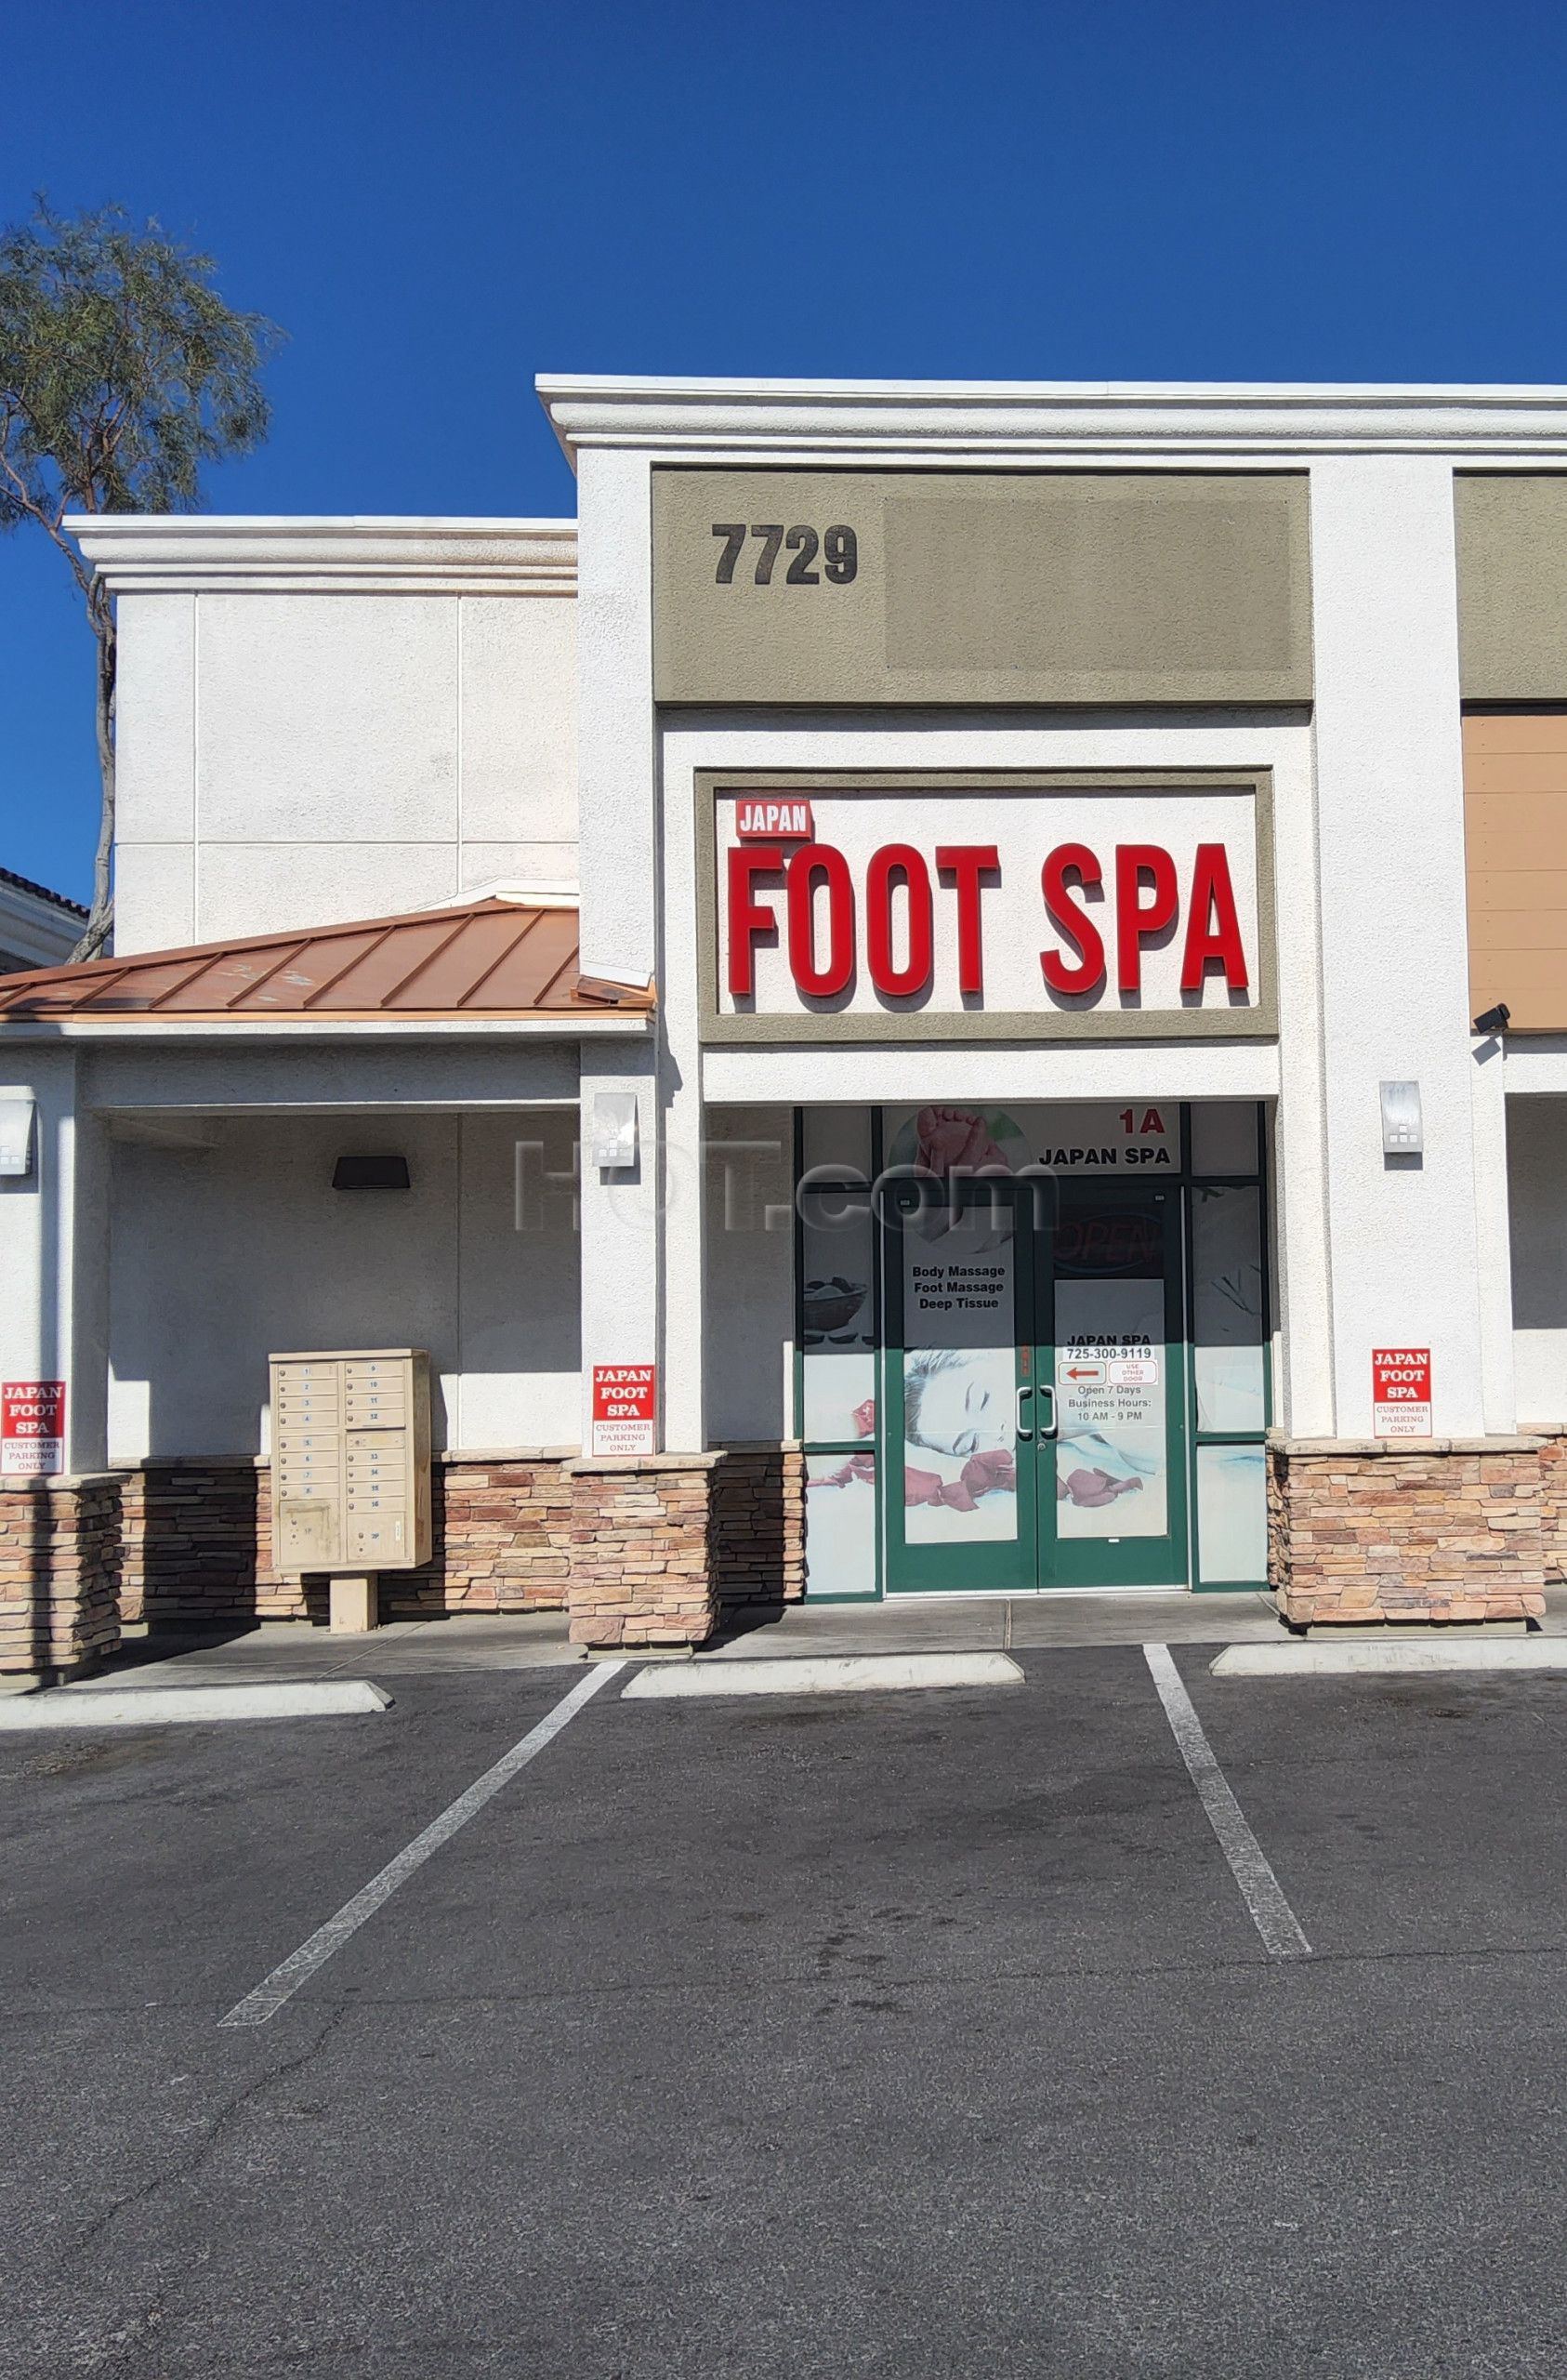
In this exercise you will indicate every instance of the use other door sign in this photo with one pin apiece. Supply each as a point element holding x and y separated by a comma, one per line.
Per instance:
<point>1401,1391</point>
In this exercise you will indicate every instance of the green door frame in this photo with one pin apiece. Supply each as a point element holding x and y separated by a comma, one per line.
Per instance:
<point>1115,1560</point>
<point>1034,1555</point>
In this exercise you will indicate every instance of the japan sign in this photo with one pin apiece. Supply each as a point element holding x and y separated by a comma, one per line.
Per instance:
<point>31,1428</point>
<point>624,1400</point>
<point>1401,1391</point>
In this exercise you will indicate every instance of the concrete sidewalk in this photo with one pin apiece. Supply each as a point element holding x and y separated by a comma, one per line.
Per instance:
<point>282,1651</point>
<point>986,1624</point>
<point>486,1644</point>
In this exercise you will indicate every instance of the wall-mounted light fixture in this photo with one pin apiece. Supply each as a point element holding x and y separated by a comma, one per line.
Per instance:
<point>16,1138</point>
<point>614,1130</point>
<point>373,1172</point>
<point>1402,1134</point>
<point>1493,1020</point>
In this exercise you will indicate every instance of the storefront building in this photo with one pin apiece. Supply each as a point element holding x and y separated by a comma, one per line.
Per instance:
<point>957,990</point>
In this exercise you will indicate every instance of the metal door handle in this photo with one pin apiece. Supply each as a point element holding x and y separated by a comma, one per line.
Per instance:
<point>1022,1429</point>
<point>1048,1429</point>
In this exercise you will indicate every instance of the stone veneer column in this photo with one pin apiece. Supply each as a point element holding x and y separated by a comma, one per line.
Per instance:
<point>1553,1497</point>
<point>1441,1530</point>
<point>59,1572</point>
<point>758,1530</point>
<point>642,1550</point>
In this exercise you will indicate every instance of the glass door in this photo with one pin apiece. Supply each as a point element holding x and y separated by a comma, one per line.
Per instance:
<point>1035,1386</point>
<point>1111,1494</point>
<point>961,1481</point>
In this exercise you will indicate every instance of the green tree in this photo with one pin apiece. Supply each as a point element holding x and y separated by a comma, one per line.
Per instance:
<point>122,374</point>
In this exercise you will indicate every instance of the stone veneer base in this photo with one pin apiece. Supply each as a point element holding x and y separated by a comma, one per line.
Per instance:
<point>198,1541</point>
<point>1552,1436</point>
<point>59,1572</point>
<point>666,1547</point>
<point>1431,1531</point>
<point>659,1559</point>
<point>663,1550</point>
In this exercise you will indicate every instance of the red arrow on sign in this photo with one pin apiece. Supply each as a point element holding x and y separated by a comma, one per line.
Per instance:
<point>1087,1371</point>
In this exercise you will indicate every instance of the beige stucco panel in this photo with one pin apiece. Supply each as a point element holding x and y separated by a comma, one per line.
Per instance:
<point>1064,586</point>
<point>1513,585</point>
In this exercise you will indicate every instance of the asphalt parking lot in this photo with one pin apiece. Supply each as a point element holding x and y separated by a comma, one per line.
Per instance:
<point>897,2034</point>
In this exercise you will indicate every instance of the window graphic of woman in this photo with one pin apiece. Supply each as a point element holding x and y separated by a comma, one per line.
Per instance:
<point>956,1401</point>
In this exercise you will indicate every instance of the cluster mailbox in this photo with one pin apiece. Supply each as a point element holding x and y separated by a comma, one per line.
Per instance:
<point>351,1462</point>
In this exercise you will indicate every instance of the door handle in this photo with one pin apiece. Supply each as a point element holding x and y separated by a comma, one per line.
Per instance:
<point>1022,1429</point>
<point>1048,1429</point>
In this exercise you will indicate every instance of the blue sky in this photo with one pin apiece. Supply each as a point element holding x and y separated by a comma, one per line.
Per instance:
<point>439,198</point>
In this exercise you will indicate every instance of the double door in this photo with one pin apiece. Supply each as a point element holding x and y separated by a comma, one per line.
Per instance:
<point>1036,1385</point>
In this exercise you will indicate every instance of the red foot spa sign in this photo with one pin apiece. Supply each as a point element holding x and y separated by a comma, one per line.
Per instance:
<point>1401,1391</point>
<point>31,1428</point>
<point>624,1401</point>
<point>978,905</point>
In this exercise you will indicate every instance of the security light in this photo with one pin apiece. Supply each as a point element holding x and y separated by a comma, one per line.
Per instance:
<point>1493,1020</point>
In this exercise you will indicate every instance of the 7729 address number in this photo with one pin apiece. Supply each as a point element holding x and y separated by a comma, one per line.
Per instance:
<point>837,547</point>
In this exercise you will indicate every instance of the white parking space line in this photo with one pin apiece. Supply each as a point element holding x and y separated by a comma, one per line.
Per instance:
<point>1261,1889</point>
<point>262,2004</point>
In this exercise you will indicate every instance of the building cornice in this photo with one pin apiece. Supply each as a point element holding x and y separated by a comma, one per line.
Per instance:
<point>36,926</point>
<point>1083,422</point>
<point>194,553</point>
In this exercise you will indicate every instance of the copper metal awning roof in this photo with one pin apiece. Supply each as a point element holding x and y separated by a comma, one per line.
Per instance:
<point>487,960</point>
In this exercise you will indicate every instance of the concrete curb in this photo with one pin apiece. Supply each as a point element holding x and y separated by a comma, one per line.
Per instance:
<point>1389,1660</point>
<point>157,1706</point>
<point>825,1674</point>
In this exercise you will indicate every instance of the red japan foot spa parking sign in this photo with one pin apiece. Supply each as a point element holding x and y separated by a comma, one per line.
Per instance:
<point>624,1396</point>
<point>31,1428</point>
<point>1401,1391</point>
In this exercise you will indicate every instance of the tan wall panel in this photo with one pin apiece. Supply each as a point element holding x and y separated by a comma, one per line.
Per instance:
<point>1510,773</point>
<point>1516,889</point>
<point>986,588</point>
<point>1491,736</point>
<point>1495,931</point>
<point>1530,982</point>
<point>1515,823</point>
<point>1520,829</point>
<point>1513,585</point>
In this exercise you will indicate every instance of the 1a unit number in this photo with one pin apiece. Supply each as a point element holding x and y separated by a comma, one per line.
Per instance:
<point>837,547</point>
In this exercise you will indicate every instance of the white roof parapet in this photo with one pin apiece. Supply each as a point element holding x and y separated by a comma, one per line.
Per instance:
<point>38,928</point>
<point>207,553</point>
<point>1080,420</point>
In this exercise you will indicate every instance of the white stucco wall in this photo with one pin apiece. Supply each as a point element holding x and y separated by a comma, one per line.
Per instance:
<point>222,1253</point>
<point>294,756</point>
<point>1394,960</point>
<point>1537,1202</point>
<point>53,1249</point>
